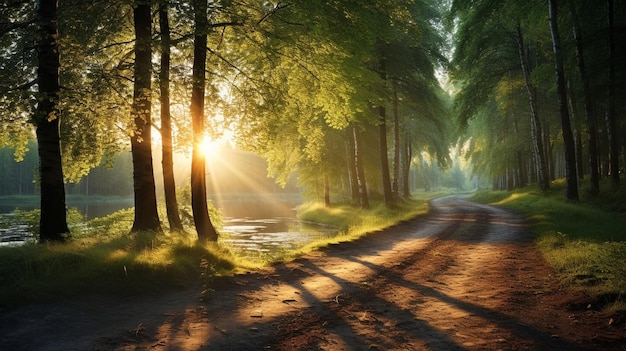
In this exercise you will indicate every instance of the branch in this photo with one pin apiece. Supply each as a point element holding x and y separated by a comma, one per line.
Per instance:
<point>24,86</point>
<point>276,8</point>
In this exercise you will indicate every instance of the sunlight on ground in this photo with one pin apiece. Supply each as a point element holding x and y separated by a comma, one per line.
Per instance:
<point>511,198</point>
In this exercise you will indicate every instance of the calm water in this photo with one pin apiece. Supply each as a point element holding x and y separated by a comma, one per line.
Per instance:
<point>259,225</point>
<point>253,225</point>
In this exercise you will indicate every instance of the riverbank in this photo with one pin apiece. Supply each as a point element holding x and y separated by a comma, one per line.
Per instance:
<point>103,258</point>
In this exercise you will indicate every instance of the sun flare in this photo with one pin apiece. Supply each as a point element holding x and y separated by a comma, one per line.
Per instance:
<point>209,147</point>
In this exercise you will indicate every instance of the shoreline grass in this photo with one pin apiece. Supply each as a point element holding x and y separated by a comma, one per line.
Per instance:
<point>103,258</point>
<point>584,242</point>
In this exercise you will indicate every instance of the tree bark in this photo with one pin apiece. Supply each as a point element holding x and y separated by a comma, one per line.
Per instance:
<point>352,173</point>
<point>395,186</point>
<point>536,134</point>
<point>169,183</point>
<point>571,188</point>
<point>384,159</point>
<point>204,227</point>
<point>326,189</point>
<point>406,167</point>
<point>53,222</point>
<point>592,130</point>
<point>611,122</point>
<point>360,172</point>
<point>146,214</point>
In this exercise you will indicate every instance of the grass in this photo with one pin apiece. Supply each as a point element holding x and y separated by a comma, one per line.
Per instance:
<point>102,257</point>
<point>584,242</point>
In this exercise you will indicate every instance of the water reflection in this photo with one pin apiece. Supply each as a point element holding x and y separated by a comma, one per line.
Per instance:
<point>266,224</point>
<point>253,236</point>
<point>252,224</point>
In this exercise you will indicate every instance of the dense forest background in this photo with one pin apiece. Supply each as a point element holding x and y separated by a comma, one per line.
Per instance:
<point>348,100</point>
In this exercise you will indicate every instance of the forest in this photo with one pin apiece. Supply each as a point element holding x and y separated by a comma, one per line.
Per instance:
<point>354,98</point>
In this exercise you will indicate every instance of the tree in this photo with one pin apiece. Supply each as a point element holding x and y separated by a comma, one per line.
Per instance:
<point>146,214</point>
<point>169,185</point>
<point>571,189</point>
<point>611,123</point>
<point>202,221</point>
<point>53,223</point>
<point>592,137</point>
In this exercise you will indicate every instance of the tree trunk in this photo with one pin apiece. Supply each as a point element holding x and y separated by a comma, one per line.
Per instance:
<point>146,215</point>
<point>406,169</point>
<point>326,189</point>
<point>592,133</point>
<point>536,134</point>
<point>352,174</point>
<point>53,222</point>
<point>384,160</point>
<point>571,188</point>
<point>169,184</point>
<point>199,207</point>
<point>612,130</point>
<point>395,186</point>
<point>360,172</point>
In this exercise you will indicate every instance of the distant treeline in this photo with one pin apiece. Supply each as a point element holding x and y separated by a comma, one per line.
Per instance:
<point>233,171</point>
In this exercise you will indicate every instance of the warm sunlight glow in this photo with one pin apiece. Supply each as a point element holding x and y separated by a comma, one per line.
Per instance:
<point>209,147</point>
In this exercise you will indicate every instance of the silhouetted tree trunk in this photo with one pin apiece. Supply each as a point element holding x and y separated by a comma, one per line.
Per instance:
<point>53,222</point>
<point>169,184</point>
<point>199,206</point>
<point>146,215</point>
<point>571,188</point>
<point>590,118</point>
<point>536,134</point>
<point>611,123</point>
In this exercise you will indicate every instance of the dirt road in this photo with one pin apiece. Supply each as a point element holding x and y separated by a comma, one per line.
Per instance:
<point>465,277</point>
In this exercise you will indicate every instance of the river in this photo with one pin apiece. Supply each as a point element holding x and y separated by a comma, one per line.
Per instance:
<point>252,224</point>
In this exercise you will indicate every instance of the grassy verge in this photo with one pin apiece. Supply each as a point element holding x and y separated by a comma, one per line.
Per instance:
<point>354,223</point>
<point>102,257</point>
<point>584,242</point>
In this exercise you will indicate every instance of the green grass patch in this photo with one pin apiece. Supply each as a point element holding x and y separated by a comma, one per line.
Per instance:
<point>584,242</point>
<point>353,223</point>
<point>102,257</point>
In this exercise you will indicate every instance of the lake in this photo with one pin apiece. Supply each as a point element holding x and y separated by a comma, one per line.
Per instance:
<point>252,224</point>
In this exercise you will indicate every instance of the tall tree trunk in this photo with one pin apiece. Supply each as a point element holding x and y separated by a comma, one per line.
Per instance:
<point>146,215</point>
<point>53,222</point>
<point>571,188</point>
<point>326,189</point>
<point>169,184</point>
<point>395,186</point>
<point>592,133</point>
<point>611,123</point>
<point>406,169</point>
<point>352,174</point>
<point>360,172</point>
<point>382,135</point>
<point>204,227</point>
<point>536,134</point>
<point>384,159</point>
